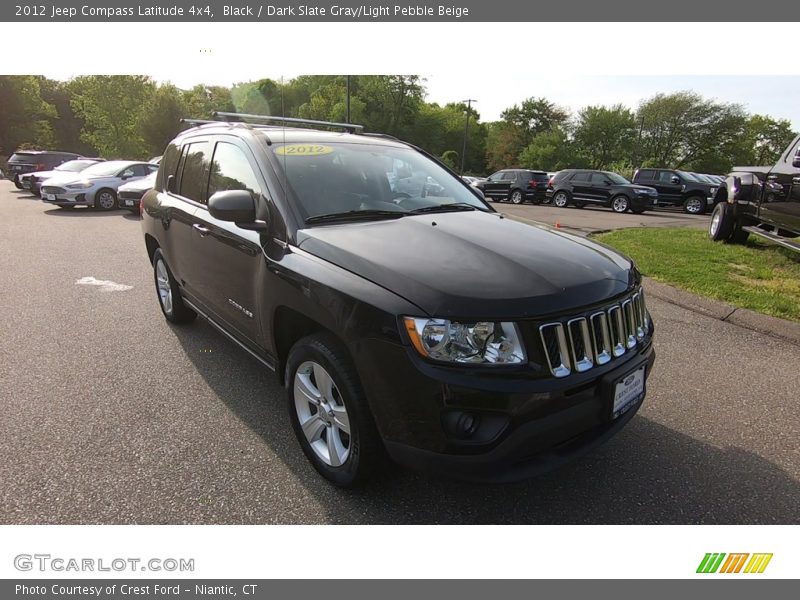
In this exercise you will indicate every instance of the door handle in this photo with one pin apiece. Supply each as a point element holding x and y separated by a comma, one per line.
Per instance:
<point>203,231</point>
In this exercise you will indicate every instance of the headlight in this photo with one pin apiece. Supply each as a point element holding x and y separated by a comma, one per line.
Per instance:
<point>81,185</point>
<point>712,191</point>
<point>484,342</point>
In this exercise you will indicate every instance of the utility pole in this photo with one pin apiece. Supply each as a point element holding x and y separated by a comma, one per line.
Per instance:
<point>348,99</point>
<point>469,102</point>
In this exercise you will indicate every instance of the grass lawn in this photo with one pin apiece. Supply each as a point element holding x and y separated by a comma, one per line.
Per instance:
<point>758,276</point>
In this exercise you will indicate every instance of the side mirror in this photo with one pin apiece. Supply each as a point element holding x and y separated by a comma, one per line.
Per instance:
<point>608,182</point>
<point>675,180</point>
<point>796,161</point>
<point>236,206</point>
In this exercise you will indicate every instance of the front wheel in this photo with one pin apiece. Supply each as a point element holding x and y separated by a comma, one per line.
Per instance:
<point>695,205</point>
<point>105,199</point>
<point>17,183</point>
<point>329,412</point>
<point>722,222</point>
<point>561,199</point>
<point>169,294</point>
<point>516,197</point>
<point>620,204</point>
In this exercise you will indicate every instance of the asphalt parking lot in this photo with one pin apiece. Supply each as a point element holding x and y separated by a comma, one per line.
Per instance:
<point>110,415</point>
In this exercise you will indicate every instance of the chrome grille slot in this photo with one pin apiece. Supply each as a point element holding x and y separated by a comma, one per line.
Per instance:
<point>601,338</point>
<point>581,344</point>
<point>556,351</point>
<point>617,327</point>
<point>638,313</point>
<point>630,324</point>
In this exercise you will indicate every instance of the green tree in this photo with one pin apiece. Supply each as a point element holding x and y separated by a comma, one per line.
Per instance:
<point>25,117</point>
<point>160,123</point>
<point>764,140</point>
<point>682,129</point>
<point>113,109</point>
<point>551,151</point>
<point>604,135</point>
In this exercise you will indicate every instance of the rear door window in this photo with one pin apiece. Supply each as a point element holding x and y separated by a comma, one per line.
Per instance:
<point>646,174</point>
<point>194,176</point>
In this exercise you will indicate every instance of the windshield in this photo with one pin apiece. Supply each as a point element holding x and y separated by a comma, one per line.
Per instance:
<point>368,180</point>
<point>105,168</point>
<point>619,179</point>
<point>689,176</point>
<point>75,165</point>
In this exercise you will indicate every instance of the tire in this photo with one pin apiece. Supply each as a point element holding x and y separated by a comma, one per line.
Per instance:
<point>329,412</point>
<point>694,205</point>
<point>639,210</point>
<point>169,294</point>
<point>17,183</point>
<point>580,204</point>
<point>561,199</point>
<point>722,222</point>
<point>620,203</point>
<point>65,206</point>
<point>516,197</point>
<point>105,199</point>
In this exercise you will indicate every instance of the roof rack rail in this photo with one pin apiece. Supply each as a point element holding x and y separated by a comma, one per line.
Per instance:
<point>197,121</point>
<point>228,116</point>
<point>382,135</point>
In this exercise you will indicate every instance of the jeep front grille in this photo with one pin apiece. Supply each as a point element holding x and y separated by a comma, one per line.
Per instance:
<point>580,343</point>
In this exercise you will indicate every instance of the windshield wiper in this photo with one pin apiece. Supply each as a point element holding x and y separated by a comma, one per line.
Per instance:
<point>354,215</point>
<point>451,207</point>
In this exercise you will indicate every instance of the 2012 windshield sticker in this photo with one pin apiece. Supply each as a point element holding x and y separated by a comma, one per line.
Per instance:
<point>303,150</point>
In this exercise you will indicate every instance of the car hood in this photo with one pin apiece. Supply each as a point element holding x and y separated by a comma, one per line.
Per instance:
<point>44,174</point>
<point>138,185</point>
<point>475,264</point>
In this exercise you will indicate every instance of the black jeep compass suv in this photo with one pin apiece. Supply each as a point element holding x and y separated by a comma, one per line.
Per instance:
<point>402,313</point>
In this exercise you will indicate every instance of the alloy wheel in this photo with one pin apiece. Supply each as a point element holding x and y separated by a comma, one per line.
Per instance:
<point>322,414</point>
<point>560,200</point>
<point>694,206</point>
<point>164,288</point>
<point>620,204</point>
<point>105,200</point>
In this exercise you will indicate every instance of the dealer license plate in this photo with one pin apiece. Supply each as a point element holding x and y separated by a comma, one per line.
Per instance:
<point>128,202</point>
<point>628,391</point>
<point>49,196</point>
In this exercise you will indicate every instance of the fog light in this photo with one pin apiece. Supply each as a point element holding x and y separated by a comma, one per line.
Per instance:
<point>461,425</point>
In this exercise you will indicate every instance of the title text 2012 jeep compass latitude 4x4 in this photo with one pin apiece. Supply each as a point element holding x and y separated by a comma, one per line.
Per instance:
<point>422,325</point>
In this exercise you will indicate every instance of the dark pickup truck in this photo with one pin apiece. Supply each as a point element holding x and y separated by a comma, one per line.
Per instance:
<point>764,201</point>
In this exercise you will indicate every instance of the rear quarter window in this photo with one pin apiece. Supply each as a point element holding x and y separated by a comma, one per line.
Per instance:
<point>169,166</point>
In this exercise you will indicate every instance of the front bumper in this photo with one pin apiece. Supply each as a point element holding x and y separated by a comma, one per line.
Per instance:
<point>644,201</point>
<point>68,197</point>
<point>526,426</point>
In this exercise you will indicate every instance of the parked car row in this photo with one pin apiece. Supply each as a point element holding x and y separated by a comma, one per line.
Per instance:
<point>649,188</point>
<point>67,180</point>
